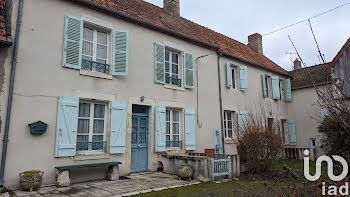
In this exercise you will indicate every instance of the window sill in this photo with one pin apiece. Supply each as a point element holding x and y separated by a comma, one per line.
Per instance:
<point>174,87</point>
<point>96,74</point>
<point>229,141</point>
<point>90,156</point>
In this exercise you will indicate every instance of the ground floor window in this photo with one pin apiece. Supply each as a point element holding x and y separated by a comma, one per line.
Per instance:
<point>173,129</point>
<point>270,122</point>
<point>228,124</point>
<point>283,130</point>
<point>91,127</point>
<point>312,143</point>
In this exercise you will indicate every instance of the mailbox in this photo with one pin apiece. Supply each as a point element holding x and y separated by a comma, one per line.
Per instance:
<point>38,127</point>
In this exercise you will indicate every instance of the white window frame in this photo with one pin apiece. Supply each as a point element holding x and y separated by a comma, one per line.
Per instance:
<point>234,76</point>
<point>179,64</point>
<point>227,122</point>
<point>171,121</point>
<point>95,29</point>
<point>91,124</point>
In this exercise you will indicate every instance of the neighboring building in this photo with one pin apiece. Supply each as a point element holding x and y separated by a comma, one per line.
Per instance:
<point>340,68</point>
<point>128,81</point>
<point>305,108</point>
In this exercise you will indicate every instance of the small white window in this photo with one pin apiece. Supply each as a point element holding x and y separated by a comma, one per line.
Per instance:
<point>173,69</point>
<point>91,127</point>
<point>234,77</point>
<point>228,124</point>
<point>173,129</point>
<point>95,55</point>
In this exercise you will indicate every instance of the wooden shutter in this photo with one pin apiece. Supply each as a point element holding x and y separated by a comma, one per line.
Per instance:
<point>160,129</point>
<point>159,63</point>
<point>275,87</point>
<point>72,47</point>
<point>118,127</point>
<point>188,70</point>
<point>243,75</point>
<point>291,132</point>
<point>67,126</point>
<point>264,88</point>
<point>120,53</point>
<point>288,90</point>
<point>190,129</point>
<point>242,119</point>
<point>228,75</point>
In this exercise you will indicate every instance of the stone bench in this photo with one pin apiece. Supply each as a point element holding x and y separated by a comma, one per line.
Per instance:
<point>62,172</point>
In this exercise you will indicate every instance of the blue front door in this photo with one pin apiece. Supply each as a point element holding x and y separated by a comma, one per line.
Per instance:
<point>139,140</point>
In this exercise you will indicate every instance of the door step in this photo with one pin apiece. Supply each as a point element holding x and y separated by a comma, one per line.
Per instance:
<point>140,173</point>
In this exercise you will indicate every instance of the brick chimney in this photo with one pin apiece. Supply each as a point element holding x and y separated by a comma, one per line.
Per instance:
<point>255,42</point>
<point>172,7</point>
<point>297,64</point>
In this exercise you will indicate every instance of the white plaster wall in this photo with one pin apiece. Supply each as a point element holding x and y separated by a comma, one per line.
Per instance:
<point>41,79</point>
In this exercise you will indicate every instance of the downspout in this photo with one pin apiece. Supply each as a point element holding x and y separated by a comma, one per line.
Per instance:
<point>220,103</point>
<point>9,101</point>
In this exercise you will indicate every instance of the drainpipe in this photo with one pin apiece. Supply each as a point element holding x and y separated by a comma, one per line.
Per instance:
<point>220,102</point>
<point>9,101</point>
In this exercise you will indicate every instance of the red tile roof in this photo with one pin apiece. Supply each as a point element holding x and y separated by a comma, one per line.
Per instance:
<point>155,15</point>
<point>340,53</point>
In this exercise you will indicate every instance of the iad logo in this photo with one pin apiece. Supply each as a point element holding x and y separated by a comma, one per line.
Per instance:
<point>329,167</point>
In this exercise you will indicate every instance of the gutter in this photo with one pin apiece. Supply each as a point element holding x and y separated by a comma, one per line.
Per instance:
<point>9,101</point>
<point>220,103</point>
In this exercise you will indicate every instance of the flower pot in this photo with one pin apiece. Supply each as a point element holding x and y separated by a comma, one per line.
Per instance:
<point>185,171</point>
<point>30,180</point>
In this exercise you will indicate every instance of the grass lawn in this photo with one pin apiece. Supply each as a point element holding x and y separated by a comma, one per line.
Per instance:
<point>278,182</point>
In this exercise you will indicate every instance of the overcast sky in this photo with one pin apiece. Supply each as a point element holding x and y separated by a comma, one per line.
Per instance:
<point>238,19</point>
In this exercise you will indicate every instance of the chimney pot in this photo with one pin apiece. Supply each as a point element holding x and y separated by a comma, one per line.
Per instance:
<point>172,7</point>
<point>255,42</point>
<point>297,64</point>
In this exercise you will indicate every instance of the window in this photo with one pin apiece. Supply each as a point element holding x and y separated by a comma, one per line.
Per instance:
<point>172,68</point>
<point>91,127</point>
<point>173,128</point>
<point>267,84</point>
<point>312,143</point>
<point>270,123</point>
<point>282,91</point>
<point>228,124</point>
<point>233,74</point>
<point>95,50</point>
<point>283,131</point>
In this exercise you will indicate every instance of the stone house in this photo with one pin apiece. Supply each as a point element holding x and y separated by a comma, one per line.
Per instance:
<point>127,81</point>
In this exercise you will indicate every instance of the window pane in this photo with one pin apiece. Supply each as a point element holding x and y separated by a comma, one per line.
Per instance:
<point>233,78</point>
<point>82,142</point>
<point>175,58</point>
<point>167,128</point>
<point>175,69</point>
<point>229,116</point>
<point>167,80</point>
<point>97,142</point>
<point>175,138</point>
<point>176,116</point>
<point>99,111</point>
<point>83,126</point>
<point>101,38</point>
<point>87,48</point>
<point>175,128</point>
<point>99,126</point>
<point>230,133</point>
<point>167,115</point>
<point>88,34</point>
<point>84,109</point>
<point>101,61</point>
<point>167,137</point>
<point>167,67</point>
<point>101,52</point>
<point>97,138</point>
<point>166,55</point>
<point>229,124</point>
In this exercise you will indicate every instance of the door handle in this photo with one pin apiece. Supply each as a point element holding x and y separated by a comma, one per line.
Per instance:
<point>138,146</point>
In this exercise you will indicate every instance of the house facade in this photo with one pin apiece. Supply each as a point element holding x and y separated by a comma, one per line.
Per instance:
<point>127,81</point>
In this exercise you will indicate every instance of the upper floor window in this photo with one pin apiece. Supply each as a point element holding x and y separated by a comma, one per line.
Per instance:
<point>173,128</point>
<point>234,76</point>
<point>172,68</point>
<point>95,50</point>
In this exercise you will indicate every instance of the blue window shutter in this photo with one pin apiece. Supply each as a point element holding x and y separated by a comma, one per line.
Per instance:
<point>72,46</point>
<point>159,63</point>
<point>242,119</point>
<point>188,70</point>
<point>67,126</point>
<point>190,129</point>
<point>288,90</point>
<point>228,74</point>
<point>216,141</point>
<point>264,88</point>
<point>118,127</point>
<point>291,132</point>
<point>160,129</point>
<point>120,53</point>
<point>324,113</point>
<point>276,87</point>
<point>243,75</point>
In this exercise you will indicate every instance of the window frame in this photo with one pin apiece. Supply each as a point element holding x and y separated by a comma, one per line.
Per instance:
<point>234,76</point>
<point>268,82</point>
<point>171,132</point>
<point>282,90</point>
<point>90,133</point>
<point>312,142</point>
<point>96,28</point>
<point>180,74</point>
<point>226,123</point>
<point>270,124</point>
